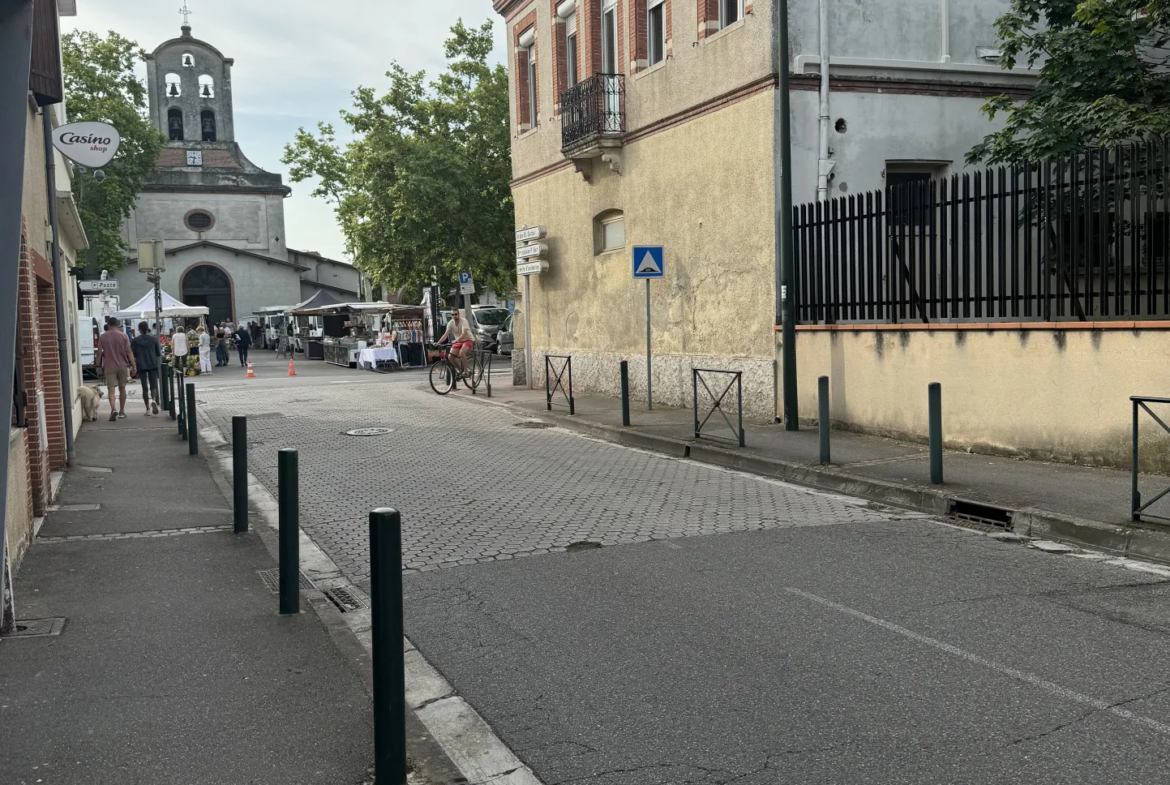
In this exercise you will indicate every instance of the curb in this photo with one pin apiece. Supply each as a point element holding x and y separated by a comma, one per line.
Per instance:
<point>350,632</point>
<point>1137,541</point>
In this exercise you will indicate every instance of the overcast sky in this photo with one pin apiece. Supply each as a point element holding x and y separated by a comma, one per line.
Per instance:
<point>296,63</point>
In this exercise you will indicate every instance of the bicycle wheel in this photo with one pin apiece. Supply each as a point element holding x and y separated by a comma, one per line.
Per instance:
<point>474,371</point>
<point>442,377</point>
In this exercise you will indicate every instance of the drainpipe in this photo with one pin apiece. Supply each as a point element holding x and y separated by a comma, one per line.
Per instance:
<point>946,32</point>
<point>824,163</point>
<point>58,290</point>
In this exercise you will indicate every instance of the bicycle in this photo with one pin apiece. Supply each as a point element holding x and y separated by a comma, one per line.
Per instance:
<point>444,376</point>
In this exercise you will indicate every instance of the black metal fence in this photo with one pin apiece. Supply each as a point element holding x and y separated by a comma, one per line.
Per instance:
<point>1080,238</point>
<point>727,380</point>
<point>592,109</point>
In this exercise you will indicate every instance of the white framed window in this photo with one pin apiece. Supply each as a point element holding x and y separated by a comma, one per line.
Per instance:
<point>531,85</point>
<point>572,75</point>
<point>609,37</point>
<point>609,231</point>
<point>730,12</point>
<point>655,31</point>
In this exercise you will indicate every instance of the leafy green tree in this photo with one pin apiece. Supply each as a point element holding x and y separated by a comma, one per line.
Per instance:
<point>1103,77</point>
<point>100,85</point>
<point>425,180</point>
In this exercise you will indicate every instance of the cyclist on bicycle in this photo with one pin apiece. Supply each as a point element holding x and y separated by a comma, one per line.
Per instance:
<point>462,341</point>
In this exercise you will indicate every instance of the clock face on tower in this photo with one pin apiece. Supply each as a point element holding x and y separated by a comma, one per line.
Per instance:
<point>194,158</point>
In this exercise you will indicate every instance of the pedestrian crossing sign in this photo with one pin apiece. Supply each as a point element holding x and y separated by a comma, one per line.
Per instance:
<point>648,261</point>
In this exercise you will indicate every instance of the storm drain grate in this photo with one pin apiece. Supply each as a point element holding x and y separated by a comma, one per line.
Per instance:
<point>271,579</point>
<point>534,424</point>
<point>582,545</point>
<point>347,599</point>
<point>984,514</point>
<point>265,416</point>
<point>36,628</point>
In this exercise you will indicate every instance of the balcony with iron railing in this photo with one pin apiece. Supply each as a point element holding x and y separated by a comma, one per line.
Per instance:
<point>593,121</point>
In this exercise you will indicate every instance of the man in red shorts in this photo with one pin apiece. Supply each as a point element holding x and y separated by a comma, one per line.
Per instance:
<point>462,341</point>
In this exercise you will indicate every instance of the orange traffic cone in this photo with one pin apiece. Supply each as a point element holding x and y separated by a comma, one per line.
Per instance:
<point>250,374</point>
<point>292,371</point>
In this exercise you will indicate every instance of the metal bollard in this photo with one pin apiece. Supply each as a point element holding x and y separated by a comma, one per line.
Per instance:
<point>182,409</point>
<point>171,391</point>
<point>823,416</point>
<point>289,532</point>
<point>934,402</point>
<point>192,423</point>
<point>240,472</point>
<point>625,373</point>
<point>389,660</point>
<point>163,372</point>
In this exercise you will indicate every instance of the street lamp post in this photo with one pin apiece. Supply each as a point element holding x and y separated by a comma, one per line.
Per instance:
<point>786,277</point>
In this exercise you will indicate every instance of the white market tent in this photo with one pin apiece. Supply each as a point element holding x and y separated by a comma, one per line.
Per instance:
<point>172,308</point>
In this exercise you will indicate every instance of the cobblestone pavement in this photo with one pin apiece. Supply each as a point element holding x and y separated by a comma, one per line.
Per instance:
<point>473,486</point>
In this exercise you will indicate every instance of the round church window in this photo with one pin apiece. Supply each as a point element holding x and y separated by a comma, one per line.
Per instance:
<point>199,220</point>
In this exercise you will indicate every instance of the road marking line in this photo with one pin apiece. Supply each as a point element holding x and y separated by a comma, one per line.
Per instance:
<point>1028,678</point>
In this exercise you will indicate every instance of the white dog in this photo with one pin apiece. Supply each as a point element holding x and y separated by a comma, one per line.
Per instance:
<point>91,399</point>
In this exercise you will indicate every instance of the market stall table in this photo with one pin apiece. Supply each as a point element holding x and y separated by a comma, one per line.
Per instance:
<point>374,355</point>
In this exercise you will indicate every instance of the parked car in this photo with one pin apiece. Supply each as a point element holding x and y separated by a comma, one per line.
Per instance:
<point>486,321</point>
<point>87,335</point>
<point>505,339</point>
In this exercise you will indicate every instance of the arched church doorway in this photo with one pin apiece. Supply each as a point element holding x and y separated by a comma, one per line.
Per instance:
<point>209,286</point>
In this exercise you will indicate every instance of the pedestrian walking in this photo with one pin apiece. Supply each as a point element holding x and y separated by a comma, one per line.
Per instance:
<point>204,350</point>
<point>221,353</point>
<point>116,359</point>
<point>243,343</point>
<point>147,354</point>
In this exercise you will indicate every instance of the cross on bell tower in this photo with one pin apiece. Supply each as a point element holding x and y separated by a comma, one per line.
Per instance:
<point>186,13</point>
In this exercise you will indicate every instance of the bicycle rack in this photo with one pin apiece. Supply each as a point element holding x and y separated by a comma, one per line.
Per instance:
<point>484,358</point>
<point>1136,506</point>
<point>566,367</point>
<point>736,381</point>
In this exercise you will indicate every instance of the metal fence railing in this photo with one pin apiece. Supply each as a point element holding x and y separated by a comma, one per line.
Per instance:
<point>1079,238</point>
<point>592,109</point>
<point>734,379</point>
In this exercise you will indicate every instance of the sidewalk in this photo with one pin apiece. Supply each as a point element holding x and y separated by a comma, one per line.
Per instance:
<point>173,665</point>
<point>1085,505</point>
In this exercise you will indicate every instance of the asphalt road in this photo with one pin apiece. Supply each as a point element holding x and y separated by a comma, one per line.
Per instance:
<point>732,629</point>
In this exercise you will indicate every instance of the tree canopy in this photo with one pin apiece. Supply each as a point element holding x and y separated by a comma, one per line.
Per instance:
<point>1103,77</point>
<point>425,180</point>
<point>100,85</point>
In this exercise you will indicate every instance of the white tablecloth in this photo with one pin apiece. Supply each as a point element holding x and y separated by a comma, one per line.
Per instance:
<point>370,357</point>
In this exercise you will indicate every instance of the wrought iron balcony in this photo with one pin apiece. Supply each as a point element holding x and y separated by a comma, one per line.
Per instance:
<point>593,116</point>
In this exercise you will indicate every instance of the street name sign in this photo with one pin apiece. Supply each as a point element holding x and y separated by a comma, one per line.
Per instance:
<point>649,261</point>
<point>532,267</point>
<point>98,286</point>
<point>531,251</point>
<point>530,233</point>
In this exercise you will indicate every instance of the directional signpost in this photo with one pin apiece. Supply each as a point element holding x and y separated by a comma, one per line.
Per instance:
<point>529,262</point>
<point>649,262</point>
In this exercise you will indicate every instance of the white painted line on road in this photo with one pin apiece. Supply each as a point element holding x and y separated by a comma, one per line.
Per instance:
<point>975,659</point>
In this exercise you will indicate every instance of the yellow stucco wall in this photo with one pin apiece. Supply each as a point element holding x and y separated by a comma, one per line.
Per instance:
<point>18,522</point>
<point>1049,394</point>
<point>711,205</point>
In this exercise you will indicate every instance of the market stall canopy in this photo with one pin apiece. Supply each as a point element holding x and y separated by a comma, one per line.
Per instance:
<point>172,308</point>
<point>315,303</point>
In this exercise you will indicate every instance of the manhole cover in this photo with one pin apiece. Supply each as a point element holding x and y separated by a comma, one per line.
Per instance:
<point>533,424</point>
<point>347,599</point>
<point>36,628</point>
<point>582,545</point>
<point>306,400</point>
<point>369,432</point>
<point>271,579</point>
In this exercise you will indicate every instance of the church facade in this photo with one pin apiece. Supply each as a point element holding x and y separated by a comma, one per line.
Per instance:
<point>220,217</point>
